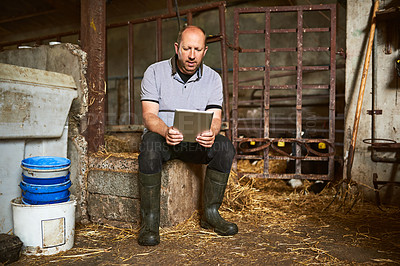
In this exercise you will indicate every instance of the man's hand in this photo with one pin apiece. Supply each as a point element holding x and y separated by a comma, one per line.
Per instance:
<point>173,136</point>
<point>206,139</point>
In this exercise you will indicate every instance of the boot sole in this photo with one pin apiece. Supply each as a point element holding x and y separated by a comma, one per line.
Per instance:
<point>148,240</point>
<point>148,243</point>
<point>231,232</point>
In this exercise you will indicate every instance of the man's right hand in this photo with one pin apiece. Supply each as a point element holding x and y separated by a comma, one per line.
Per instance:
<point>173,136</point>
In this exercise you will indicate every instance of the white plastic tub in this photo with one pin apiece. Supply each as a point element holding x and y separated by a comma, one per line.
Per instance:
<point>34,103</point>
<point>44,229</point>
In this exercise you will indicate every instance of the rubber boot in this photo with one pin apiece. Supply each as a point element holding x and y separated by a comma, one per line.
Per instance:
<point>213,194</point>
<point>149,188</point>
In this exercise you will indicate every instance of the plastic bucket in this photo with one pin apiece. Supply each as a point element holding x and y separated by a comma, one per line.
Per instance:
<point>45,194</point>
<point>44,229</point>
<point>53,173</point>
<point>46,162</point>
<point>45,166</point>
<point>45,181</point>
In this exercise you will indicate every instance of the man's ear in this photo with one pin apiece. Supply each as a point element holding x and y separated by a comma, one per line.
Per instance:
<point>205,50</point>
<point>176,47</point>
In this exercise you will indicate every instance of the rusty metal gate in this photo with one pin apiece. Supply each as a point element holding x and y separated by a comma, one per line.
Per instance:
<point>277,85</point>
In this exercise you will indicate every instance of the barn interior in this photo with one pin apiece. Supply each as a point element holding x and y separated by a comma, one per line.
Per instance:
<point>311,95</point>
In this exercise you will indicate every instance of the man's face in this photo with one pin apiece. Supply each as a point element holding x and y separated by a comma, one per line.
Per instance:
<point>191,50</point>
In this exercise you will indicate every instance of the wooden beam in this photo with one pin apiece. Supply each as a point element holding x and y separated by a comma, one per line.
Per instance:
<point>31,15</point>
<point>93,41</point>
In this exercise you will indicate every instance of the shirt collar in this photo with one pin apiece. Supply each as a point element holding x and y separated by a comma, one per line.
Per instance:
<point>174,66</point>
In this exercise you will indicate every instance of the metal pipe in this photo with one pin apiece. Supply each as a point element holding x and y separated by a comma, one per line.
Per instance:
<point>267,83</point>
<point>235,84</point>
<point>285,8</point>
<point>170,7</point>
<point>332,92</point>
<point>283,176</point>
<point>131,83</point>
<point>189,18</point>
<point>46,37</point>
<point>299,87</point>
<point>93,27</point>
<point>166,16</point>
<point>224,65</point>
<point>159,39</point>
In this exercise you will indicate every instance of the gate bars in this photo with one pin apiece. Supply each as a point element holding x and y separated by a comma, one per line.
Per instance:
<point>267,142</point>
<point>220,37</point>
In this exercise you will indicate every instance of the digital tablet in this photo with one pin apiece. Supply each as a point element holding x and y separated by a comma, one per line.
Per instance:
<point>191,123</point>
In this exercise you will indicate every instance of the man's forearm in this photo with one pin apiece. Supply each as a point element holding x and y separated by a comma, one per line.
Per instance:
<point>216,126</point>
<point>153,123</point>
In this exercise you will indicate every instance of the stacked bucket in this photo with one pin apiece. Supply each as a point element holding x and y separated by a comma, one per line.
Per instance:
<point>45,180</point>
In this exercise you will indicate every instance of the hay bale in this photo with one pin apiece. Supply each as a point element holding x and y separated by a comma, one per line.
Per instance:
<point>275,166</point>
<point>115,144</point>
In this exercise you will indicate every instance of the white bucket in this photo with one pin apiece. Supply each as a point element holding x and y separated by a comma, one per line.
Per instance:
<point>44,229</point>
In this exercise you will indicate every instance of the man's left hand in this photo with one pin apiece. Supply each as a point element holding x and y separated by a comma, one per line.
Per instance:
<point>206,139</point>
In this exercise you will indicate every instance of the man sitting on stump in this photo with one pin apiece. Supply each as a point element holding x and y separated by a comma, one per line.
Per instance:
<point>182,82</point>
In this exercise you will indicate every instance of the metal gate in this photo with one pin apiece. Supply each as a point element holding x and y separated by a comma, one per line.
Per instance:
<point>280,82</point>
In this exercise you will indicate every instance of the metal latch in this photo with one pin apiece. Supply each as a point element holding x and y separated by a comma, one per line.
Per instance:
<point>374,112</point>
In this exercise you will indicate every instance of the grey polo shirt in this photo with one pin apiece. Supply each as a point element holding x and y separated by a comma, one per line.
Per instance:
<point>162,84</point>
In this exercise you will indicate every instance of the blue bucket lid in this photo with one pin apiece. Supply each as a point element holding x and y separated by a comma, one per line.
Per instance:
<point>46,162</point>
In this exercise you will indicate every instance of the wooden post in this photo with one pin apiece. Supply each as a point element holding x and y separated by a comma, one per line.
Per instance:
<point>93,41</point>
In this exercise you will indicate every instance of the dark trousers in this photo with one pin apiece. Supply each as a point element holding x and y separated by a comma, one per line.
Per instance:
<point>154,151</point>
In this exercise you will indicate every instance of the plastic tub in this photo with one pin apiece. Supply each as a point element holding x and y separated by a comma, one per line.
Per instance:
<point>44,229</point>
<point>45,181</point>
<point>45,173</point>
<point>46,162</point>
<point>45,166</point>
<point>45,194</point>
<point>60,199</point>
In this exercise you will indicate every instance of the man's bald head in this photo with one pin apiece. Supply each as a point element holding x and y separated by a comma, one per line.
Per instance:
<point>190,27</point>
